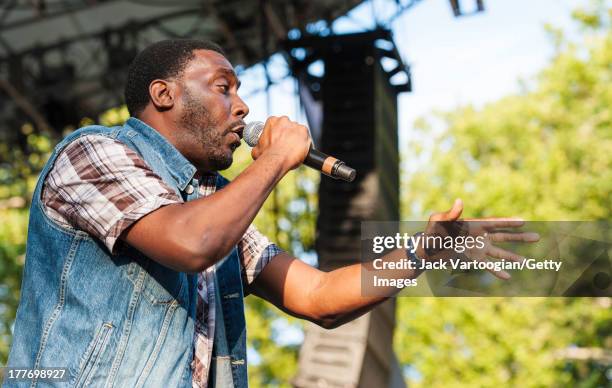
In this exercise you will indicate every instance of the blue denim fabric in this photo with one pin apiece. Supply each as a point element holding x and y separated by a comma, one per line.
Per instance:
<point>120,320</point>
<point>228,364</point>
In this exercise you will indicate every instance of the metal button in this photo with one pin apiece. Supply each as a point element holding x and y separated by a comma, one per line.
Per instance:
<point>189,189</point>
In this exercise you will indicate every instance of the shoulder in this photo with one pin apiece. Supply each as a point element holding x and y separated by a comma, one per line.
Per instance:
<point>91,139</point>
<point>97,149</point>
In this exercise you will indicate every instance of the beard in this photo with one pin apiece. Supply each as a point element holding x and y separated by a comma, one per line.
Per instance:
<point>201,130</point>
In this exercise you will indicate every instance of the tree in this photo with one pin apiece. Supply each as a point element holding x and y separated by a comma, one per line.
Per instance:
<point>543,154</point>
<point>19,167</point>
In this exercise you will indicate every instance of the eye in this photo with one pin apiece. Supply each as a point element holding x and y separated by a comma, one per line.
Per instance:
<point>224,88</point>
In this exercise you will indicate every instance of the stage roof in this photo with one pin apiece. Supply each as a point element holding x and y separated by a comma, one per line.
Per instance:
<point>62,60</point>
<point>27,25</point>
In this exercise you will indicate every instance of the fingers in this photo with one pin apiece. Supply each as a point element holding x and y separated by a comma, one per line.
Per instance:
<point>511,237</point>
<point>284,137</point>
<point>501,274</point>
<point>453,214</point>
<point>500,253</point>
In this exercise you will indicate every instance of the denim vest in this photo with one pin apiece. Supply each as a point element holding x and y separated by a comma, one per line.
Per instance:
<point>121,320</point>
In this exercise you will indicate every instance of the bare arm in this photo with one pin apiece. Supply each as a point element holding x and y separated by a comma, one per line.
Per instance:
<point>328,299</point>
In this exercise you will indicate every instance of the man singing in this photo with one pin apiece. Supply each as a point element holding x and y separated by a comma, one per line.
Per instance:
<point>139,253</point>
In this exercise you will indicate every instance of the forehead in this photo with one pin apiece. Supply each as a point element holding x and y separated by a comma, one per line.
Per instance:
<point>207,63</point>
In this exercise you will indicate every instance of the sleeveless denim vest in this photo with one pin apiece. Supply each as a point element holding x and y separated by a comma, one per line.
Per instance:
<point>121,320</point>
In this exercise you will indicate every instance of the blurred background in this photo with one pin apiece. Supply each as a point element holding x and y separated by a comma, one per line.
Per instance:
<point>505,104</point>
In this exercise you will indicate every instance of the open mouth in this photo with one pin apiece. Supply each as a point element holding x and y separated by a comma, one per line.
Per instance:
<point>236,133</point>
<point>235,145</point>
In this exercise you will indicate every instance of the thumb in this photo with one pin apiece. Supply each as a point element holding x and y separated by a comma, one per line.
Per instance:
<point>455,212</point>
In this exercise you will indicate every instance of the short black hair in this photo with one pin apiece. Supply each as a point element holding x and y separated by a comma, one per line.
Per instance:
<point>162,60</point>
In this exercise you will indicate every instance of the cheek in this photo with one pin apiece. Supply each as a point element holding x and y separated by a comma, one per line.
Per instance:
<point>219,109</point>
<point>220,103</point>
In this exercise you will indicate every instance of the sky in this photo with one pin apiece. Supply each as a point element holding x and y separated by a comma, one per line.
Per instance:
<point>454,61</point>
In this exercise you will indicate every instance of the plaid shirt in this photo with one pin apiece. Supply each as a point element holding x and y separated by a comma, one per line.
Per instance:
<point>101,186</point>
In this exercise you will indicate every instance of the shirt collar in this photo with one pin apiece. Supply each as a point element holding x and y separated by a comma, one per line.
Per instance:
<point>181,169</point>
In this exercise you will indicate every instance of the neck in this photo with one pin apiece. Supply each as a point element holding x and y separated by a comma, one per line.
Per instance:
<point>162,124</point>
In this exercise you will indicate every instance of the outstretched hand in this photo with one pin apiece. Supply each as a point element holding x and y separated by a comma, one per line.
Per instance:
<point>485,230</point>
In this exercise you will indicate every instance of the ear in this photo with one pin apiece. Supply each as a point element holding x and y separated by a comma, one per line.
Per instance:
<point>162,94</point>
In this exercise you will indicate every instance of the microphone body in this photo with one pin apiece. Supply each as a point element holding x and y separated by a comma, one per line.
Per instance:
<point>316,159</point>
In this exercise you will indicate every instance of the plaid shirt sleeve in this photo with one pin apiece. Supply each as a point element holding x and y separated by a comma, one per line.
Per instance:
<point>101,186</point>
<point>255,252</point>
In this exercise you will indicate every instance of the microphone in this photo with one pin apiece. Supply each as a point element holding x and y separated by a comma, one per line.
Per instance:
<point>328,165</point>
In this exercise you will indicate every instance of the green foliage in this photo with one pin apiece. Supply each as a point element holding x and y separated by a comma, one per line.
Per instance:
<point>278,364</point>
<point>12,249</point>
<point>20,164</point>
<point>19,167</point>
<point>487,342</point>
<point>545,154</point>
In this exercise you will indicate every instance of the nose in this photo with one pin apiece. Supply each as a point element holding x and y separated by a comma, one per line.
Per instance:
<point>240,108</point>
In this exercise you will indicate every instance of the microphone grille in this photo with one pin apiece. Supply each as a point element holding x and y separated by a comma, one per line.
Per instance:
<point>252,131</point>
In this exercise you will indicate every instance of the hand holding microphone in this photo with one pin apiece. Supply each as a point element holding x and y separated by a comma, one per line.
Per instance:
<point>293,140</point>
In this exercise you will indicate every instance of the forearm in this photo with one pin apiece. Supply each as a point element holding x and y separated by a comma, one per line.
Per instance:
<point>340,297</point>
<point>217,222</point>
<point>192,236</point>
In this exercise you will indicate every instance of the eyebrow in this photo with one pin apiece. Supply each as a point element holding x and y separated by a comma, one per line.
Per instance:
<point>232,74</point>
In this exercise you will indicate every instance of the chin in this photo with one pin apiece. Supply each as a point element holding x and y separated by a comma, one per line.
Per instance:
<point>223,164</point>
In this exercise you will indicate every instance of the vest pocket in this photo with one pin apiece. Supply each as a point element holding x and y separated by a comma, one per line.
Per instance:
<point>160,285</point>
<point>91,357</point>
